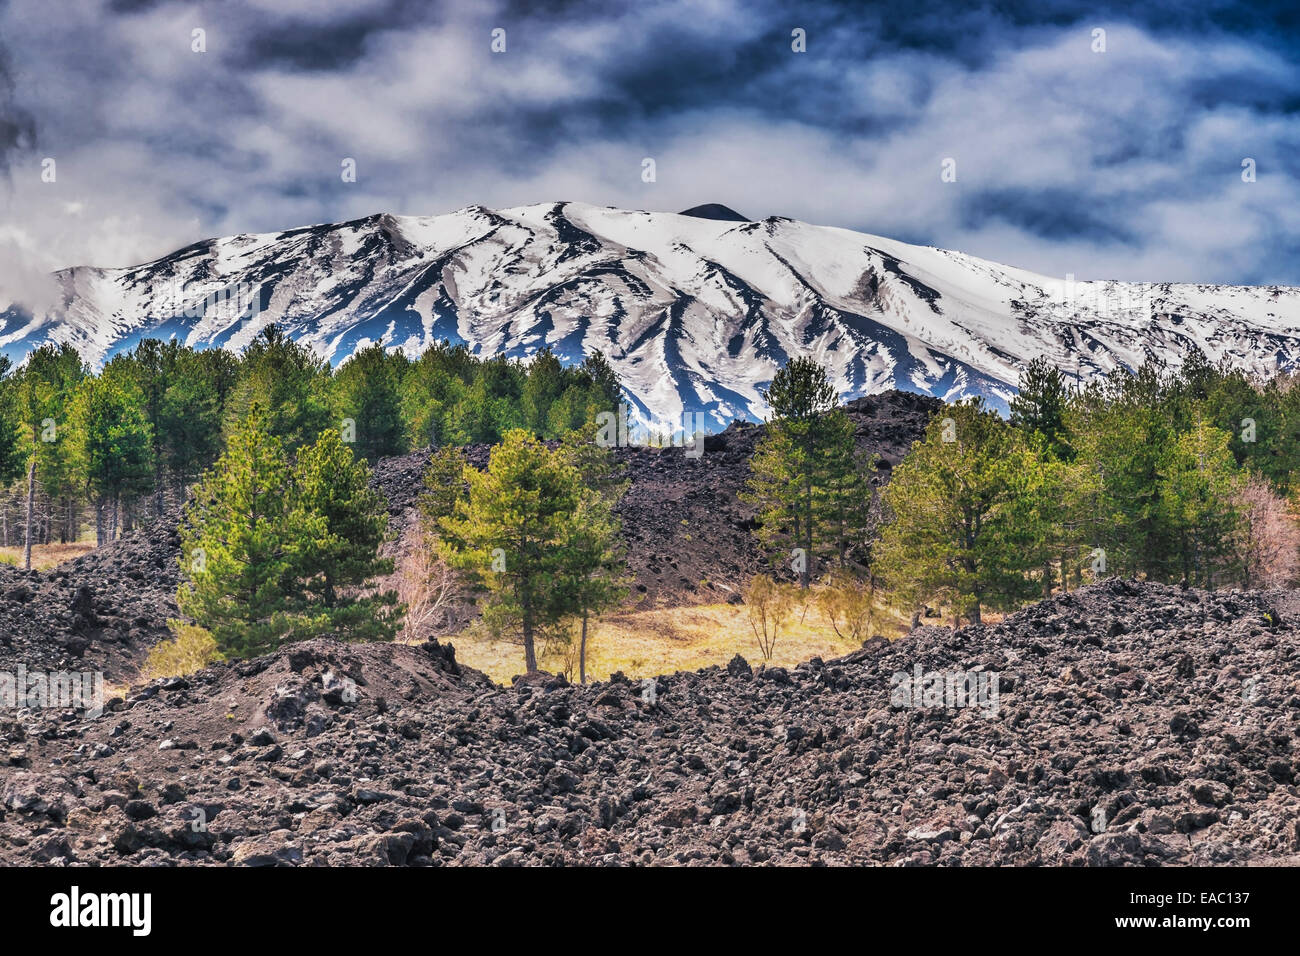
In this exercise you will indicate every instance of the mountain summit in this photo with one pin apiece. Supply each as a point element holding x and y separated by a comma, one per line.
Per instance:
<point>714,210</point>
<point>696,312</point>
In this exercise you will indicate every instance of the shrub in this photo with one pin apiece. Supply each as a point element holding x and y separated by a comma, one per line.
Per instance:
<point>769,605</point>
<point>849,606</point>
<point>191,649</point>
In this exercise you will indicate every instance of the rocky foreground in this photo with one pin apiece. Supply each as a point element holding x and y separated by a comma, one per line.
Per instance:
<point>1135,724</point>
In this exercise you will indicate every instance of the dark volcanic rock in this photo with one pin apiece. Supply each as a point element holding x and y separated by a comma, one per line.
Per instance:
<point>101,611</point>
<point>1089,758</point>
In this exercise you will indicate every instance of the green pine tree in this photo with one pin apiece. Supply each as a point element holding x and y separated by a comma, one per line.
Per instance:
<point>1040,407</point>
<point>242,544</point>
<point>431,389</point>
<point>367,391</point>
<point>844,496</point>
<point>12,459</point>
<point>444,485</point>
<point>595,576</point>
<point>111,444</point>
<point>50,377</point>
<point>805,480</point>
<point>960,507</point>
<point>340,566</point>
<point>509,535</point>
<point>1201,483</point>
<point>150,368</point>
<point>1122,430</point>
<point>289,381</point>
<point>605,389</point>
<point>190,415</point>
<point>542,388</point>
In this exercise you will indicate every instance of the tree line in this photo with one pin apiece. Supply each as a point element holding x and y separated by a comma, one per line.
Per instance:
<point>282,535</point>
<point>1175,475</point>
<point>1179,475</point>
<point>125,443</point>
<point>283,547</point>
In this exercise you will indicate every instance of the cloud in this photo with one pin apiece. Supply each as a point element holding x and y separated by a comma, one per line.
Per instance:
<point>1123,164</point>
<point>17,126</point>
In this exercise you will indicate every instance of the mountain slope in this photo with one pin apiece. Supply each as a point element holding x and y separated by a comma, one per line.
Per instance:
<point>695,312</point>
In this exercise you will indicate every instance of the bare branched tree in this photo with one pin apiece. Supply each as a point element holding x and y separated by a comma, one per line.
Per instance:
<point>769,605</point>
<point>1268,542</point>
<point>427,586</point>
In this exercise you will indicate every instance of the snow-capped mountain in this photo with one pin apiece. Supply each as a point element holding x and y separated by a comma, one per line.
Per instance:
<point>696,311</point>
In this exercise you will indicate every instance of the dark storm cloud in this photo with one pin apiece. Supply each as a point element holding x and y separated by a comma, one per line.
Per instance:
<point>17,125</point>
<point>1101,165</point>
<point>331,44</point>
<point>1049,214</point>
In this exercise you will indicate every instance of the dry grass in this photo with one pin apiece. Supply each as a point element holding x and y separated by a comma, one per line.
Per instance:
<point>190,648</point>
<point>47,555</point>
<point>647,643</point>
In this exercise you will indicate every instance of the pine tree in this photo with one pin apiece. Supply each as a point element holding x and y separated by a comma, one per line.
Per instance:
<point>606,389</point>
<point>543,387</point>
<point>773,487</point>
<point>1201,481</point>
<point>444,485</point>
<point>339,567</point>
<point>500,382</point>
<point>845,496</point>
<point>11,436</point>
<point>960,509</point>
<point>1122,431</point>
<point>477,416</point>
<point>1256,418</point>
<point>276,552</point>
<point>595,463</point>
<point>570,411</point>
<point>1040,406</point>
<point>509,534</point>
<point>595,577</point>
<point>1278,459</point>
<point>150,368</point>
<point>50,377</point>
<point>190,416</point>
<point>431,388</point>
<point>806,481</point>
<point>110,444</point>
<point>219,370</point>
<point>367,391</point>
<point>289,381</point>
<point>242,543</point>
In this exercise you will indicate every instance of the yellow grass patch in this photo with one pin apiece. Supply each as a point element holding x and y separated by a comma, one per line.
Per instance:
<point>47,555</point>
<point>648,643</point>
